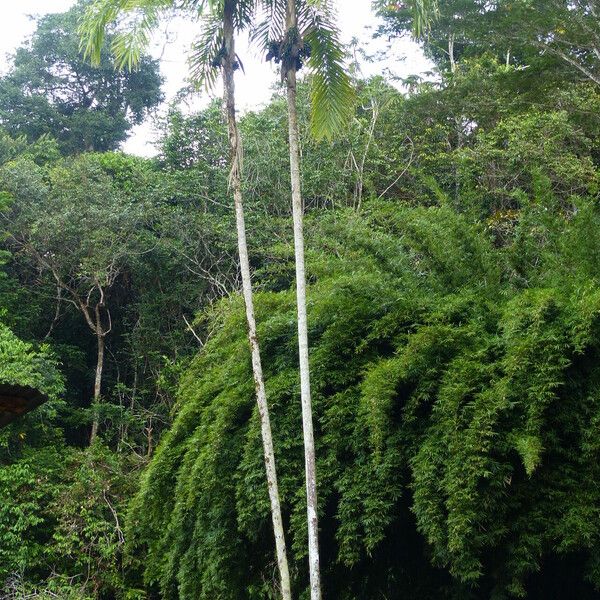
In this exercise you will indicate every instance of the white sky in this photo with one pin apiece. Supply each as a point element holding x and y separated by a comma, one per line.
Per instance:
<point>253,87</point>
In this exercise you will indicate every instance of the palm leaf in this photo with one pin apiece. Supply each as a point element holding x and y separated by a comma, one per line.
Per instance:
<point>331,89</point>
<point>204,57</point>
<point>133,21</point>
<point>245,12</point>
<point>205,52</point>
<point>271,26</point>
<point>129,45</point>
<point>92,28</point>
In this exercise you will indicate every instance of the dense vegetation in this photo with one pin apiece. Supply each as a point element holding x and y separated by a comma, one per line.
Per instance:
<point>453,254</point>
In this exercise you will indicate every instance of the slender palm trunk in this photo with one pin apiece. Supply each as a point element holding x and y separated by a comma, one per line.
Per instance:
<point>261,398</point>
<point>307,419</point>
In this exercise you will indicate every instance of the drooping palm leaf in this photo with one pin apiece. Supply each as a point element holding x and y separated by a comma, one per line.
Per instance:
<point>128,46</point>
<point>331,90</point>
<point>205,52</point>
<point>133,20</point>
<point>142,17</point>
<point>92,29</point>
<point>332,93</point>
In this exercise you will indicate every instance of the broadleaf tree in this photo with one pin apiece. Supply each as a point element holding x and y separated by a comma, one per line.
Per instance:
<point>51,90</point>
<point>83,242</point>
<point>562,36</point>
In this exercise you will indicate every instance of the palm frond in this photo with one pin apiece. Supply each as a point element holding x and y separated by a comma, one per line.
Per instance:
<point>96,18</point>
<point>204,59</point>
<point>325,6</point>
<point>129,45</point>
<point>271,25</point>
<point>245,12</point>
<point>133,22</point>
<point>331,89</point>
<point>205,52</point>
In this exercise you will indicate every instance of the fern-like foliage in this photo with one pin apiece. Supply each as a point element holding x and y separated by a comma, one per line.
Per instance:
<point>447,397</point>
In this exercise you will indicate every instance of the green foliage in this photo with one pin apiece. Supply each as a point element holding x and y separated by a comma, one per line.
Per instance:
<point>26,488</point>
<point>21,364</point>
<point>43,151</point>
<point>88,510</point>
<point>441,385</point>
<point>51,91</point>
<point>522,149</point>
<point>554,36</point>
<point>194,151</point>
<point>454,328</point>
<point>59,520</point>
<point>91,229</point>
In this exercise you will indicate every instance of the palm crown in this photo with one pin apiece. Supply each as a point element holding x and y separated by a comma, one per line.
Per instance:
<point>317,35</point>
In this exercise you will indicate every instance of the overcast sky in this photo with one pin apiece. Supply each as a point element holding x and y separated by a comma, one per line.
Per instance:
<point>253,87</point>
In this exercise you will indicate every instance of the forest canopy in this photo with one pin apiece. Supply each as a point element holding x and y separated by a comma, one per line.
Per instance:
<point>452,238</point>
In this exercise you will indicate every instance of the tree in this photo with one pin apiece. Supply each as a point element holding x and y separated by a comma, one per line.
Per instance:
<point>74,225</point>
<point>229,62</point>
<point>51,90</point>
<point>215,49</point>
<point>556,36</point>
<point>296,32</point>
<point>360,161</point>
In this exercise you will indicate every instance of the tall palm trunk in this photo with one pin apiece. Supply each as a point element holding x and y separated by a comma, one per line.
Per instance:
<point>261,398</point>
<point>298,215</point>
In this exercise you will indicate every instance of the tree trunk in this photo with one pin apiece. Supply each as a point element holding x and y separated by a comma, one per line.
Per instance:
<point>261,397</point>
<point>307,419</point>
<point>451,53</point>
<point>97,383</point>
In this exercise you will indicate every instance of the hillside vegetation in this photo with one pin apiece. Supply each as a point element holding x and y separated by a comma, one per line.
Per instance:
<point>452,235</point>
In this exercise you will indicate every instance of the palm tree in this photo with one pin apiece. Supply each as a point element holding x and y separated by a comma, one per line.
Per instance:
<point>295,31</point>
<point>214,49</point>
